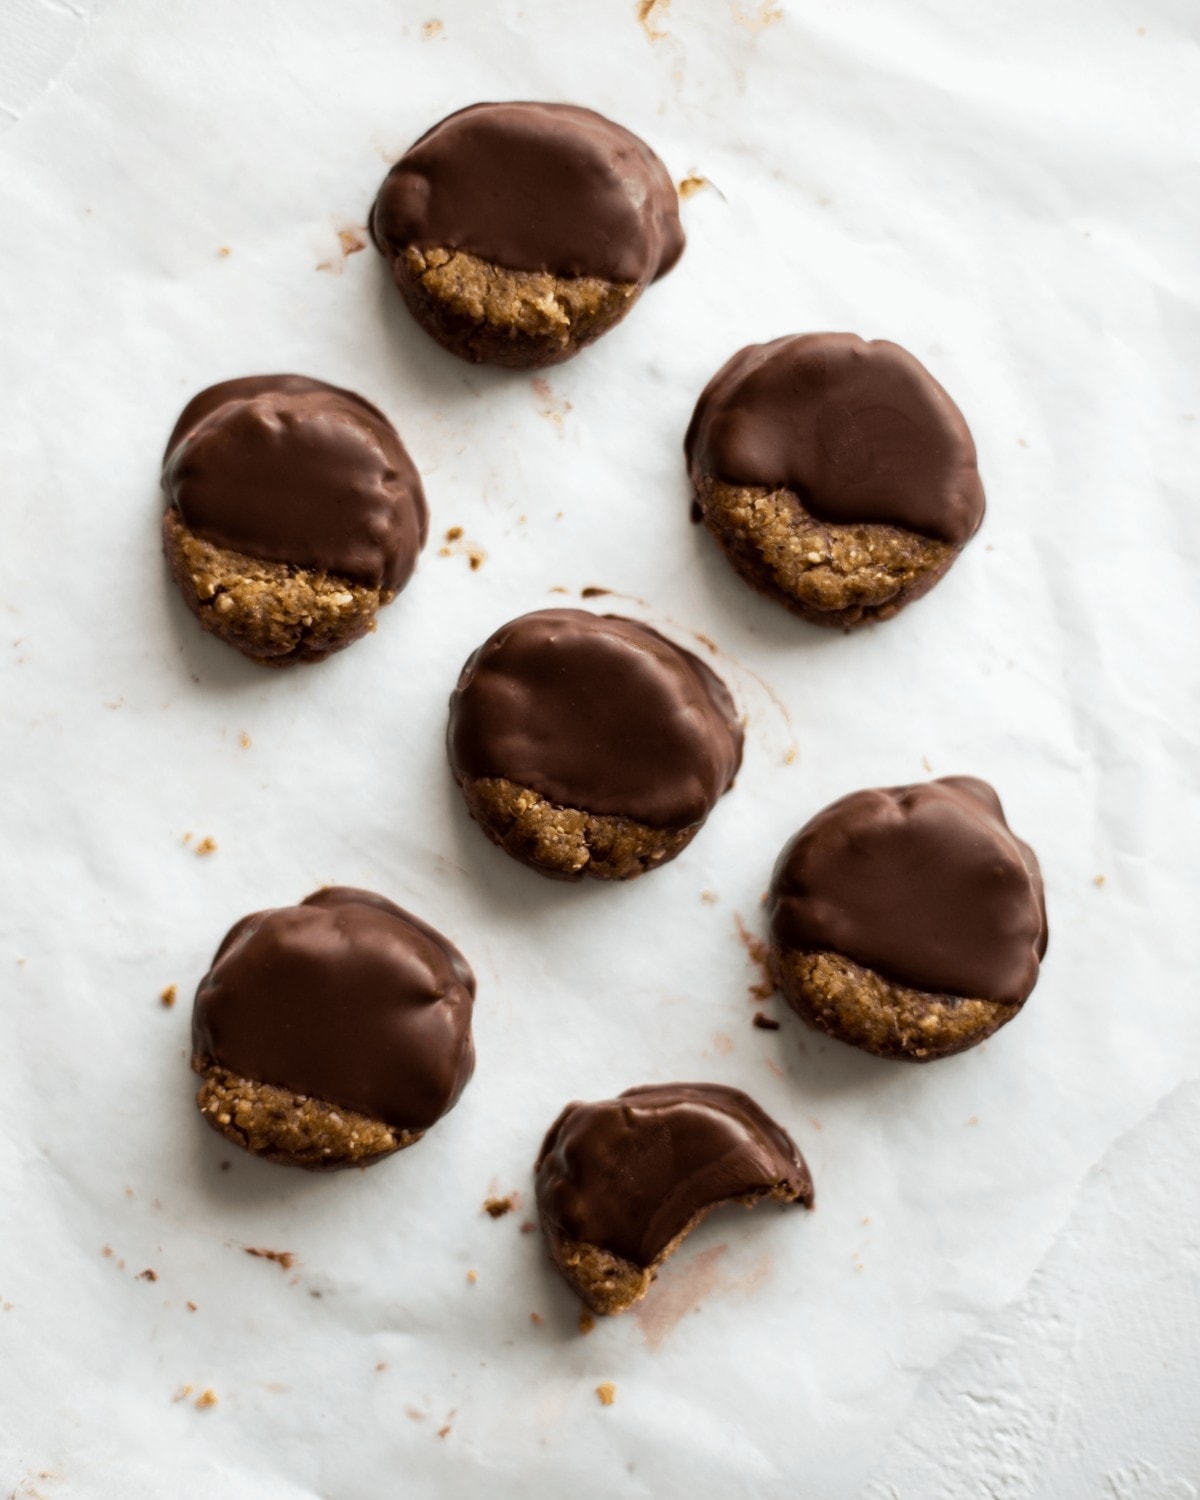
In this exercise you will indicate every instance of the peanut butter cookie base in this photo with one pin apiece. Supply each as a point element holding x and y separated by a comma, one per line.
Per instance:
<point>857,1005</point>
<point>565,843</point>
<point>835,575</point>
<point>291,1128</point>
<point>271,612</point>
<point>493,316</point>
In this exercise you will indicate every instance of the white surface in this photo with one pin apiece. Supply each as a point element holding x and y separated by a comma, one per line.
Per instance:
<point>1010,191</point>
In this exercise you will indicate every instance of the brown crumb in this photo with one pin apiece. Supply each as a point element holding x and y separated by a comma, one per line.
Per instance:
<point>106,1251</point>
<point>765,1022</point>
<point>182,1393</point>
<point>430,30</point>
<point>790,758</point>
<point>381,1366</point>
<point>709,898</point>
<point>536,1318</point>
<point>1098,880</point>
<point>974,1120</point>
<point>453,533</point>
<point>205,1399</point>
<point>191,1306</point>
<point>692,185</point>
<point>352,240</point>
<point>284,1259</point>
<point>592,592</point>
<point>498,1207</point>
<point>472,1277</point>
<point>207,845</point>
<point>586,1321</point>
<point>607,1392</point>
<point>444,1431</point>
<point>147,1275</point>
<point>167,996</point>
<point>187,838</point>
<point>722,1042</point>
<point>224,251</point>
<point>476,556</point>
<point>414,1414</point>
<point>244,740</point>
<point>528,1227</point>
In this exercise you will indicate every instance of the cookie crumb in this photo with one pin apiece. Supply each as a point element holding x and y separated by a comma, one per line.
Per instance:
<point>147,1275</point>
<point>757,951</point>
<point>1098,880</point>
<point>722,1042</point>
<point>765,1022</point>
<point>167,996</point>
<point>244,740</point>
<point>472,1277</point>
<point>444,1431</point>
<point>692,185</point>
<point>284,1259</point>
<point>430,30</point>
<point>207,845</point>
<point>352,240</point>
<point>586,1321</point>
<point>381,1366</point>
<point>709,898</point>
<point>607,1392</point>
<point>496,1208</point>
<point>645,10</point>
<point>106,1251</point>
<point>974,1120</point>
<point>191,1306</point>
<point>206,1398</point>
<point>592,592</point>
<point>182,1393</point>
<point>224,252</point>
<point>536,1318</point>
<point>453,533</point>
<point>476,556</point>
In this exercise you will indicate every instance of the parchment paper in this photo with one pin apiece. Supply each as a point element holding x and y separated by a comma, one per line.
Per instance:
<point>1008,190</point>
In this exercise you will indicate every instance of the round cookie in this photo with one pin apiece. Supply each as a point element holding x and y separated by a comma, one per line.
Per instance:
<point>622,1182</point>
<point>293,515</point>
<point>333,1033</point>
<point>837,475</point>
<point>590,744</point>
<point>908,921</point>
<point>519,233</point>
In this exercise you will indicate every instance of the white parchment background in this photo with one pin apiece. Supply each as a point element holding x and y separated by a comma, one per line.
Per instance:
<point>997,1294</point>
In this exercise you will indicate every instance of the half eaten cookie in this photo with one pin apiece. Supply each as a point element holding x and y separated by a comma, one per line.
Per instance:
<point>332,1033</point>
<point>622,1182</point>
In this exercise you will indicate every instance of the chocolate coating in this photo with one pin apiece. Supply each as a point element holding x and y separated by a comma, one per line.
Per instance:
<point>926,885</point>
<point>534,187</point>
<point>345,998</point>
<point>292,470</point>
<point>631,1174</point>
<point>598,713</point>
<point>859,432</point>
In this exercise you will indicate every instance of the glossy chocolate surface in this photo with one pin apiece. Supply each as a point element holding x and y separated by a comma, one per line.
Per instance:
<point>925,884</point>
<point>598,713</point>
<point>859,432</point>
<point>345,998</point>
<point>291,470</point>
<point>534,187</point>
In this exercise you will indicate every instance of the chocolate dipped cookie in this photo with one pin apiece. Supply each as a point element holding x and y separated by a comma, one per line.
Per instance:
<point>590,744</point>
<point>518,233</point>
<point>332,1033</point>
<point>622,1182</point>
<point>293,515</point>
<point>909,921</point>
<point>837,475</point>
